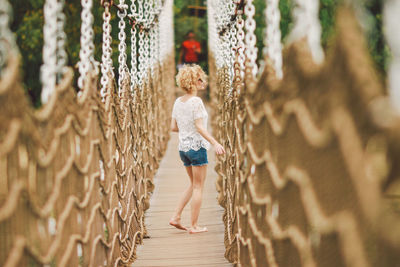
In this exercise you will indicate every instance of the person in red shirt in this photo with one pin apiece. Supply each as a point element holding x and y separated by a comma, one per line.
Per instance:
<point>190,50</point>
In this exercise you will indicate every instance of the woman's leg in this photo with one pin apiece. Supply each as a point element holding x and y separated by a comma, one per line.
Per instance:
<point>187,194</point>
<point>199,176</point>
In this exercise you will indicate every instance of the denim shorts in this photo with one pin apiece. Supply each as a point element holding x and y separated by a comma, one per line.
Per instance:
<point>194,158</point>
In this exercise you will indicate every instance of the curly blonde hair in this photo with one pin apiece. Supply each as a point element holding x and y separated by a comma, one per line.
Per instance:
<point>188,76</point>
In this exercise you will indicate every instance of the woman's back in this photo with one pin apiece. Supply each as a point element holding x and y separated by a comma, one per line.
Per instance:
<point>185,112</point>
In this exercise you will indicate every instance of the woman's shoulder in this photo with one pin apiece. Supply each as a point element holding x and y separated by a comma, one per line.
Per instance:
<point>177,99</point>
<point>197,99</point>
<point>194,100</point>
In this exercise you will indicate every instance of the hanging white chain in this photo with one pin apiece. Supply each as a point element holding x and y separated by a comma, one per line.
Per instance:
<point>212,39</point>
<point>272,41</point>
<point>158,7</point>
<point>48,70</point>
<point>233,47</point>
<point>61,38</point>
<point>140,4</point>
<point>391,23</point>
<point>54,54</point>
<point>211,30</point>
<point>250,24</point>
<point>106,61</point>
<point>222,17</point>
<point>141,57</point>
<point>122,69</point>
<point>232,39</point>
<point>141,44</point>
<point>147,19</point>
<point>86,57</point>
<point>222,35</point>
<point>227,35</point>
<point>166,30</point>
<point>7,40</point>
<point>240,44</point>
<point>133,48</point>
<point>146,54</point>
<point>153,37</point>
<point>153,52</point>
<point>220,45</point>
<point>149,11</point>
<point>306,24</point>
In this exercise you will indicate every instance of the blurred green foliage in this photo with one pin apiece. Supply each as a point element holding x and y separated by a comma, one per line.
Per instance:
<point>185,22</point>
<point>28,23</point>
<point>377,46</point>
<point>372,10</point>
<point>28,26</point>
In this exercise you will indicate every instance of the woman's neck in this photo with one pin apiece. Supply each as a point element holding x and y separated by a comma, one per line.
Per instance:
<point>193,93</point>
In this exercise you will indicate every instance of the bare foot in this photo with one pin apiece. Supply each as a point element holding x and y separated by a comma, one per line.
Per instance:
<point>177,224</point>
<point>197,230</point>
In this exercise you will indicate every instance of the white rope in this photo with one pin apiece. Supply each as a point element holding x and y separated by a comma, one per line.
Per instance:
<point>391,23</point>
<point>272,41</point>
<point>7,40</point>
<point>86,57</point>
<point>306,24</point>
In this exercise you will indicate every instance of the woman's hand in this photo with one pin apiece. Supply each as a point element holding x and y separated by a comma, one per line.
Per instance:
<point>219,149</point>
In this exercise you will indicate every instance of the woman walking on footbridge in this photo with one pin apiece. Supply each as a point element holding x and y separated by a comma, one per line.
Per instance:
<point>189,118</point>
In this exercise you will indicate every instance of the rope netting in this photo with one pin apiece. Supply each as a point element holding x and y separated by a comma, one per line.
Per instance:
<point>311,176</point>
<point>76,174</point>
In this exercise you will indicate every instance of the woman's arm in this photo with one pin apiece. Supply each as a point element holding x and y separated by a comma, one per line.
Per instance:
<point>174,126</point>
<point>219,149</point>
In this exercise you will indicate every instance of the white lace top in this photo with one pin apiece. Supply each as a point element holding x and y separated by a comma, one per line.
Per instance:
<point>185,113</point>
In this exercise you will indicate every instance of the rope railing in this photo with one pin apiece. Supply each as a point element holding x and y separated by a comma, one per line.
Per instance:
<point>310,176</point>
<point>76,175</point>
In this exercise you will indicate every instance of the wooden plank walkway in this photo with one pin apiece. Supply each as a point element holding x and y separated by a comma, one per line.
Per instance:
<point>168,246</point>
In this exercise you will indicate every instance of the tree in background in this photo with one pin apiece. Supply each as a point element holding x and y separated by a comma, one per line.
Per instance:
<point>28,26</point>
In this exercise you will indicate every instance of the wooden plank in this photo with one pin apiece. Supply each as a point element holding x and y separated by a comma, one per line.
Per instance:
<point>168,246</point>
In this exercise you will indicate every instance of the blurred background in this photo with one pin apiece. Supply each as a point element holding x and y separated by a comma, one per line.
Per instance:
<point>189,15</point>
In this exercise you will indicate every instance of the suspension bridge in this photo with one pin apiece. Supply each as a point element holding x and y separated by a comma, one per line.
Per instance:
<point>310,177</point>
